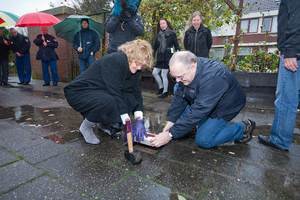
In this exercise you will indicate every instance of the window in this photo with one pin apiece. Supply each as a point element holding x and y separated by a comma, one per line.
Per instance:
<point>215,32</point>
<point>245,51</point>
<point>266,26</point>
<point>274,24</point>
<point>216,53</point>
<point>249,25</point>
<point>269,24</point>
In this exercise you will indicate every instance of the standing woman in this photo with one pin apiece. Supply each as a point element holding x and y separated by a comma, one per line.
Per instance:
<point>164,42</point>
<point>109,90</point>
<point>197,38</point>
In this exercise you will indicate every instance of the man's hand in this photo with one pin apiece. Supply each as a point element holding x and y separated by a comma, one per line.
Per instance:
<point>160,140</point>
<point>18,54</point>
<point>92,53</point>
<point>45,43</point>
<point>290,64</point>
<point>168,126</point>
<point>79,49</point>
<point>5,42</point>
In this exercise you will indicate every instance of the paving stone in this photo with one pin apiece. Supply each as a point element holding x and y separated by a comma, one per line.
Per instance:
<point>5,125</point>
<point>177,152</point>
<point>259,115</point>
<point>95,179</point>
<point>78,196</point>
<point>134,187</point>
<point>217,163</point>
<point>283,183</point>
<point>252,173</point>
<point>66,163</point>
<point>18,139</point>
<point>218,187</point>
<point>43,151</point>
<point>149,167</point>
<point>184,178</point>
<point>48,188</point>
<point>15,174</point>
<point>110,152</point>
<point>6,157</point>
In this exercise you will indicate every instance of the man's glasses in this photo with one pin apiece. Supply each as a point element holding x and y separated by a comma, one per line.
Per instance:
<point>180,78</point>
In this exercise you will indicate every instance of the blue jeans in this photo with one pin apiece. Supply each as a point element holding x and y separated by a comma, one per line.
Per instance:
<point>213,132</point>
<point>83,62</point>
<point>23,68</point>
<point>286,103</point>
<point>53,69</point>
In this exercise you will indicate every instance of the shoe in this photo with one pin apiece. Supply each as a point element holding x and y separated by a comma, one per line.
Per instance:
<point>249,127</point>
<point>54,84</point>
<point>6,84</point>
<point>86,130</point>
<point>25,83</point>
<point>107,129</point>
<point>267,141</point>
<point>21,83</point>
<point>46,84</point>
<point>160,91</point>
<point>164,95</point>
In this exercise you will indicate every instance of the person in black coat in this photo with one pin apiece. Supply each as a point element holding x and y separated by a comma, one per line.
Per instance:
<point>164,42</point>
<point>4,52</point>
<point>215,97</point>
<point>20,45</point>
<point>109,90</point>
<point>47,55</point>
<point>197,38</point>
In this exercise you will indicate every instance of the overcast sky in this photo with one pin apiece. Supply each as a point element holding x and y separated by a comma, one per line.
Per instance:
<point>21,7</point>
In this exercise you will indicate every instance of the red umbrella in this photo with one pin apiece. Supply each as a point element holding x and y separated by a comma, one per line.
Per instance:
<point>37,19</point>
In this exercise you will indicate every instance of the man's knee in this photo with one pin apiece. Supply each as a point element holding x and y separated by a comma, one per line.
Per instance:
<point>204,142</point>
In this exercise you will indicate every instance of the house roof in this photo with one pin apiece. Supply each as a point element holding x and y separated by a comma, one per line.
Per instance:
<point>260,5</point>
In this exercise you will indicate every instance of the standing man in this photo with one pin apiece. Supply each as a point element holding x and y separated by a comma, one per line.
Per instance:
<point>215,98</point>
<point>4,52</point>
<point>47,55</point>
<point>124,24</point>
<point>20,45</point>
<point>87,43</point>
<point>288,83</point>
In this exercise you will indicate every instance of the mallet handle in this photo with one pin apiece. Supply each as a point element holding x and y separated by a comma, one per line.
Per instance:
<point>129,137</point>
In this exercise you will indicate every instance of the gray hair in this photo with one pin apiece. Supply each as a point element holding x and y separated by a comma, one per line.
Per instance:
<point>197,13</point>
<point>12,28</point>
<point>184,58</point>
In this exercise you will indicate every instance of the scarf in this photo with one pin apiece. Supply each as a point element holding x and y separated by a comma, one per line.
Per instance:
<point>161,37</point>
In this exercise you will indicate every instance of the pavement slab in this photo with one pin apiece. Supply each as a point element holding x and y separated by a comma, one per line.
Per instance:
<point>15,174</point>
<point>6,157</point>
<point>49,188</point>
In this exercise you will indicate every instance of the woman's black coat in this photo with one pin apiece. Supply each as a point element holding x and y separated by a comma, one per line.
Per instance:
<point>171,41</point>
<point>106,90</point>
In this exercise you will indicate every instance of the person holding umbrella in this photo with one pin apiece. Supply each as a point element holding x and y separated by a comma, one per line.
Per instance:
<point>87,43</point>
<point>20,45</point>
<point>4,52</point>
<point>109,90</point>
<point>47,55</point>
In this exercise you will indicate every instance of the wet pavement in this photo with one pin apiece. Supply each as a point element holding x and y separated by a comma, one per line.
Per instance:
<point>43,156</point>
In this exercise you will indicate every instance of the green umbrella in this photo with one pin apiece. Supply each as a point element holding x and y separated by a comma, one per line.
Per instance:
<point>68,27</point>
<point>8,19</point>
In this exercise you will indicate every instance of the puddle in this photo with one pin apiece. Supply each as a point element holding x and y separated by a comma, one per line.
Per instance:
<point>61,124</point>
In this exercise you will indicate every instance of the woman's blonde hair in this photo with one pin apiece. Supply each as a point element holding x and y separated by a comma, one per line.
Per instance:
<point>197,13</point>
<point>139,51</point>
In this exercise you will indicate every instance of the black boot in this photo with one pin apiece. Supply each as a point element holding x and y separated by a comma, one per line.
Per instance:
<point>160,91</point>
<point>164,95</point>
<point>115,129</point>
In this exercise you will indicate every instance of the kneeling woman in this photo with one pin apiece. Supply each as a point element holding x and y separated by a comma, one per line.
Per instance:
<point>109,90</point>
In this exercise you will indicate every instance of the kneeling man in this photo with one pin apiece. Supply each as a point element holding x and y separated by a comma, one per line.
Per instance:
<point>208,95</point>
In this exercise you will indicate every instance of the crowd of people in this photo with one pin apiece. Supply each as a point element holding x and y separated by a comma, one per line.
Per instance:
<point>207,95</point>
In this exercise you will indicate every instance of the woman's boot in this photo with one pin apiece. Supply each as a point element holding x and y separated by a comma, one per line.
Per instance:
<point>86,130</point>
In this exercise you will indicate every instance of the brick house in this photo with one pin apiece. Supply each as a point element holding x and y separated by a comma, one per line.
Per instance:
<point>261,17</point>
<point>68,63</point>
